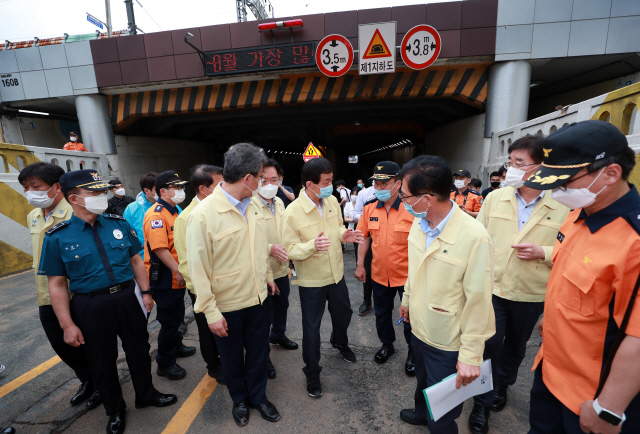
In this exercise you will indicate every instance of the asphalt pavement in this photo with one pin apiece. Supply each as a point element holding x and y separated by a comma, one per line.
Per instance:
<point>358,397</point>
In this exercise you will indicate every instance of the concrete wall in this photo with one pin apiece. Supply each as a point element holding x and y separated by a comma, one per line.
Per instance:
<point>46,133</point>
<point>462,144</point>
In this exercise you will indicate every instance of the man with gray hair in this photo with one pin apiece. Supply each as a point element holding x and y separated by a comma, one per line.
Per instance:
<point>228,262</point>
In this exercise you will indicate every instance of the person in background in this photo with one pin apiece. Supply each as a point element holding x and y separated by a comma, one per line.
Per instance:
<point>359,184</point>
<point>447,297</point>
<point>285,193</point>
<point>586,371</point>
<point>349,209</point>
<point>494,180</point>
<point>166,281</point>
<point>475,185</point>
<point>365,196</point>
<point>523,224</point>
<point>41,183</point>
<point>343,192</point>
<point>467,199</point>
<point>312,232</point>
<point>502,171</point>
<point>227,259</point>
<point>95,256</point>
<point>204,179</point>
<point>73,144</point>
<point>135,211</point>
<point>119,202</point>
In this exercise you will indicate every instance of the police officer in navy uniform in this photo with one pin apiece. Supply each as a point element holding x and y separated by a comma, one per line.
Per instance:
<point>98,255</point>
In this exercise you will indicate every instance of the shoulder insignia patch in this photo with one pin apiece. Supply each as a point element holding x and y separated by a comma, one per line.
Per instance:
<point>475,192</point>
<point>55,227</point>
<point>156,224</point>
<point>158,208</point>
<point>114,216</point>
<point>133,232</point>
<point>372,200</point>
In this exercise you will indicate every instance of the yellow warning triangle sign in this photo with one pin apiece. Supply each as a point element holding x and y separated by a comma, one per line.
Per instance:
<point>311,152</point>
<point>377,47</point>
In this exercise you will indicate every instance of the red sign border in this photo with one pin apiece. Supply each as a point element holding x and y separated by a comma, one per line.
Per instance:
<point>409,34</point>
<point>321,45</point>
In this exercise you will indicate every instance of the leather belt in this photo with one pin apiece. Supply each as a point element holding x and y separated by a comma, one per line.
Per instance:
<point>110,289</point>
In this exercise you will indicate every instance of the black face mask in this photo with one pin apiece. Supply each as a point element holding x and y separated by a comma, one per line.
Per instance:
<point>495,184</point>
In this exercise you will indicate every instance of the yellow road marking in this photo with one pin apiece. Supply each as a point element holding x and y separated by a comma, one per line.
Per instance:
<point>183,419</point>
<point>24,378</point>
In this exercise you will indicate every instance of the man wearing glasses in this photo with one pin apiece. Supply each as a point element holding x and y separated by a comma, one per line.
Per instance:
<point>447,296</point>
<point>523,224</point>
<point>166,282</point>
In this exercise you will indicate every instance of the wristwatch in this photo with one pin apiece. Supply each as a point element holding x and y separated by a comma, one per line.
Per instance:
<point>608,416</point>
<point>147,292</point>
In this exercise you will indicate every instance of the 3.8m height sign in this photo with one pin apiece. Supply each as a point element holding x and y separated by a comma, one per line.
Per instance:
<point>377,48</point>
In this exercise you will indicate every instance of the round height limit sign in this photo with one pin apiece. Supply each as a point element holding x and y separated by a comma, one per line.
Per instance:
<point>334,55</point>
<point>420,47</point>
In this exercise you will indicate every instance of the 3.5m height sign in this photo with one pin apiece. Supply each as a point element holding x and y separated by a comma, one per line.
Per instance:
<point>377,48</point>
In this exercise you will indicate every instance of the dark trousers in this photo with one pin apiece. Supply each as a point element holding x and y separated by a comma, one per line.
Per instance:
<point>367,289</point>
<point>279,306</point>
<point>547,415</point>
<point>208,346</point>
<point>432,366</point>
<point>515,321</point>
<point>170,314</point>
<point>74,357</point>
<point>312,305</point>
<point>244,353</point>
<point>383,304</point>
<point>102,318</point>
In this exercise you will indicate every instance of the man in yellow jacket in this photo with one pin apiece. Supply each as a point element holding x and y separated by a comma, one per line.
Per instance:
<point>312,233</point>
<point>228,264</point>
<point>447,296</point>
<point>523,224</point>
<point>204,179</point>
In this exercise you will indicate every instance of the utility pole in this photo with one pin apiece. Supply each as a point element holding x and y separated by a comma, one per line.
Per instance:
<point>107,6</point>
<point>133,29</point>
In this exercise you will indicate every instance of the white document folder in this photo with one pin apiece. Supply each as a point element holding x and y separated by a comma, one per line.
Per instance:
<point>139,296</point>
<point>444,397</point>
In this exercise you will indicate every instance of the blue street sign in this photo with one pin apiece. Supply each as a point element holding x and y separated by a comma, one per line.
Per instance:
<point>94,20</point>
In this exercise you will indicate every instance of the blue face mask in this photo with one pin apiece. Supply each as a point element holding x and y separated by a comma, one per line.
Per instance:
<point>359,185</point>
<point>325,192</point>
<point>384,195</point>
<point>418,215</point>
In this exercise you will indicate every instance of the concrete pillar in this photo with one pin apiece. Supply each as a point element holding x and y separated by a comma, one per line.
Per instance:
<point>508,95</point>
<point>95,123</point>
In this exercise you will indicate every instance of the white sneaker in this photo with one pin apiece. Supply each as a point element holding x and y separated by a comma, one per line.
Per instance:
<point>1,368</point>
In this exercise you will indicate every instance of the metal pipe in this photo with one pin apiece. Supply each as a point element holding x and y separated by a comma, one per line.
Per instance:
<point>107,6</point>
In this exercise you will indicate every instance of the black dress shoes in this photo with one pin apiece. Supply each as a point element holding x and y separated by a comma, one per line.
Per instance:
<point>83,393</point>
<point>271,370</point>
<point>240,413</point>
<point>364,308</point>
<point>285,343</point>
<point>479,420</point>
<point>383,354</point>
<point>94,401</point>
<point>160,400</point>
<point>345,352</point>
<point>268,411</point>
<point>314,389</point>
<point>116,423</point>
<point>218,374</point>
<point>409,366</point>
<point>499,398</point>
<point>409,416</point>
<point>174,372</point>
<point>184,351</point>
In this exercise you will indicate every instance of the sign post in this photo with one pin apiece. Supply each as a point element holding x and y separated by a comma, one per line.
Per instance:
<point>310,153</point>
<point>420,47</point>
<point>377,48</point>
<point>334,55</point>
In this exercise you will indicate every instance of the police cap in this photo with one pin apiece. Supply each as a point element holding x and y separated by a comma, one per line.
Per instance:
<point>463,172</point>
<point>87,179</point>
<point>572,148</point>
<point>385,170</point>
<point>168,178</point>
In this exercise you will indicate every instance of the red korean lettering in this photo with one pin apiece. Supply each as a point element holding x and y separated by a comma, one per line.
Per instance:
<point>273,56</point>
<point>301,55</point>
<point>257,57</point>
<point>230,62</point>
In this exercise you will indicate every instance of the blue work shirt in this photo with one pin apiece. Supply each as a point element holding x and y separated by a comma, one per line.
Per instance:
<point>241,205</point>
<point>432,234</point>
<point>70,249</point>
<point>526,209</point>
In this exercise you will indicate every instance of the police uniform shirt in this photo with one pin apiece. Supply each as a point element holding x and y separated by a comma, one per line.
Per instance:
<point>91,257</point>
<point>158,226</point>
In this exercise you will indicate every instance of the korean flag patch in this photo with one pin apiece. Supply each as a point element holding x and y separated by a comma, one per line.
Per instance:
<point>155,224</point>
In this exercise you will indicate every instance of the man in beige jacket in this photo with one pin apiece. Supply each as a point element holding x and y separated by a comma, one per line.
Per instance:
<point>228,262</point>
<point>447,297</point>
<point>312,234</point>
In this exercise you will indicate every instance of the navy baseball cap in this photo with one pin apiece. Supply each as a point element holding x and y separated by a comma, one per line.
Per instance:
<point>463,172</point>
<point>572,148</point>
<point>167,179</point>
<point>87,179</point>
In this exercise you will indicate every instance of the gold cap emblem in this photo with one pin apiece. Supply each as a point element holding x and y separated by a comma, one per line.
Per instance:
<point>546,152</point>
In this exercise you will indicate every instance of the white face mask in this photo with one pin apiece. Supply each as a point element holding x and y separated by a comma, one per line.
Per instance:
<point>459,183</point>
<point>354,198</point>
<point>254,192</point>
<point>514,176</point>
<point>73,139</point>
<point>178,196</point>
<point>95,204</point>
<point>503,184</point>
<point>268,191</point>
<point>40,199</point>
<point>575,198</point>
<point>120,192</point>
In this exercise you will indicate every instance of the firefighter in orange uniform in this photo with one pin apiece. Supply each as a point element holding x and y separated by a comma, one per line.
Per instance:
<point>74,144</point>
<point>468,200</point>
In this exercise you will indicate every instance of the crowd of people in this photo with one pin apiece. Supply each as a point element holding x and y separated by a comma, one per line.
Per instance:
<point>556,234</point>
